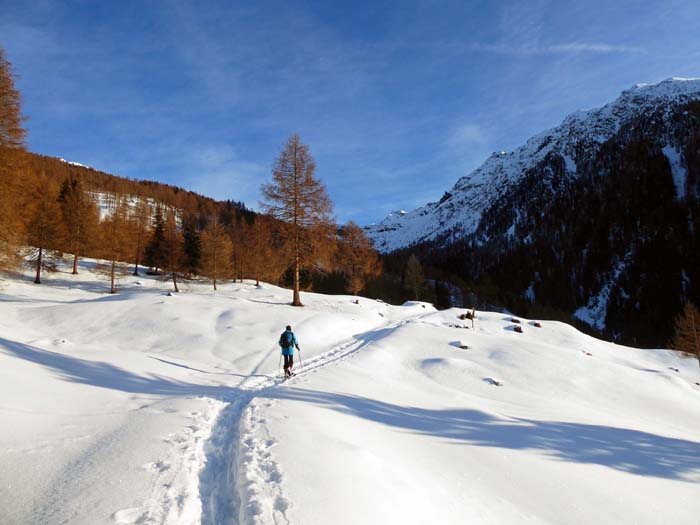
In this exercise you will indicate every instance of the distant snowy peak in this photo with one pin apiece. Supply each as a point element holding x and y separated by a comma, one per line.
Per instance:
<point>459,211</point>
<point>74,163</point>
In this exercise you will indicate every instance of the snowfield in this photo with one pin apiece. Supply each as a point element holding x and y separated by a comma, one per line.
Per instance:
<point>147,408</point>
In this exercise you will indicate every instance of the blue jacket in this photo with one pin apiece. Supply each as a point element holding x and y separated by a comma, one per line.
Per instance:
<point>289,350</point>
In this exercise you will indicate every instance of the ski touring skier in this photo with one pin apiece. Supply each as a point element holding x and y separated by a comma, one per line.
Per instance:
<point>288,341</point>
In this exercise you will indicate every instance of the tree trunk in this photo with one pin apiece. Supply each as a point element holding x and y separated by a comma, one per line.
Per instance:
<point>695,333</point>
<point>37,280</point>
<point>257,281</point>
<point>296,300</point>
<point>75,263</point>
<point>112,288</point>
<point>136,263</point>
<point>214,283</point>
<point>175,282</point>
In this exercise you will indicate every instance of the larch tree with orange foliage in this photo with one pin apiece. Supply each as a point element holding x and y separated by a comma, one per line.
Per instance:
<point>45,231</point>
<point>356,257</point>
<point>300,200</point>
<point>116,240</point>
<point>263,245</point>
<point>12,134</point>
<point>12,137</point>
<point>217,253</point>
<point>687,336</point>
<point>81,218</point>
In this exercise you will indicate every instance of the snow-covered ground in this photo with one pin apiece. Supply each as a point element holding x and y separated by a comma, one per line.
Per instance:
<point>148,408</point>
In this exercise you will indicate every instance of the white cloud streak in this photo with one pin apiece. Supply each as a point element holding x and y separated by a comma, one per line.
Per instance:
<point>554,49</point>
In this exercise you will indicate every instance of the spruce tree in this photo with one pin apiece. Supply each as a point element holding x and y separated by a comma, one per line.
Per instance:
<point>414,279</point>
<point>139,222</point>
<point>442,296</point>
<point>155,251</point>
<point>192,246</point>
<point>173,253</point>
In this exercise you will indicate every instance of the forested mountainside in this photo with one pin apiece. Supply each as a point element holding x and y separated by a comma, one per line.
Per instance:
<point>598,219</point>
<point>58,170</point>
<point>50,207</point>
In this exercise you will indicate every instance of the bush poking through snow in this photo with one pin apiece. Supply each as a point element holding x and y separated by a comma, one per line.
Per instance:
<point>468,316</point>
<point>687,335</point>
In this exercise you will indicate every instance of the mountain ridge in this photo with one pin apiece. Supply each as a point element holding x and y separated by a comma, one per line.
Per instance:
<point>580,134</point>
<point>596,220</point>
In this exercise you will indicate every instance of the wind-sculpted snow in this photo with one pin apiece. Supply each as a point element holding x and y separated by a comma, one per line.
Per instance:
<point>575,141</point>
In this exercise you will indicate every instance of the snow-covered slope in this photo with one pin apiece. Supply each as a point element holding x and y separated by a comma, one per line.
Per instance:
<point>74,163</point>
<point>576,140</point>
<point>148,408</point>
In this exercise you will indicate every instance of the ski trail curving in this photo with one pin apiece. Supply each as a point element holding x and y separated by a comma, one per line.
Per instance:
<point>240,482</point>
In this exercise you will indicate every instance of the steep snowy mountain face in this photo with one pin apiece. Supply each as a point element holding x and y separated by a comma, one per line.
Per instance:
<point>598,218</point>
<point>574,143</point>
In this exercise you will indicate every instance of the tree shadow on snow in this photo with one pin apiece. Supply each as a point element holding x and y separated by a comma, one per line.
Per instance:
<point>623,449</point>
<point>187,367</point>
<point>106,375</point>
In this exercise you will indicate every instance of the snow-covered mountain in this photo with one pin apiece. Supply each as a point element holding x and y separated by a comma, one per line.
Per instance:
<point>598,218</point>
<point>575,142</point>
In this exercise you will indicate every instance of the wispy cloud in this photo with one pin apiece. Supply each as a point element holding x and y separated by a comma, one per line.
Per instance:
<point>466,134</point>
<point>218,171</point>
<point>554,49</point>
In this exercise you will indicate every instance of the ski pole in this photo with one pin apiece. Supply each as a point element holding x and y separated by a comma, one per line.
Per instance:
<point>301,363</point>
<point>279,364</point>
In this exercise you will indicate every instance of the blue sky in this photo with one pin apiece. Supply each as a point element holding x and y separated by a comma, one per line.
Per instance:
<point>397,100</point>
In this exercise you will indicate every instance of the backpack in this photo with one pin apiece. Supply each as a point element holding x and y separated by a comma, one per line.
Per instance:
<point>286,339</point>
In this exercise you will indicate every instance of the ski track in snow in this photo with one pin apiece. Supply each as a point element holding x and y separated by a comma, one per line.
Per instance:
<point>240,482</point>
<point>213,461</point>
